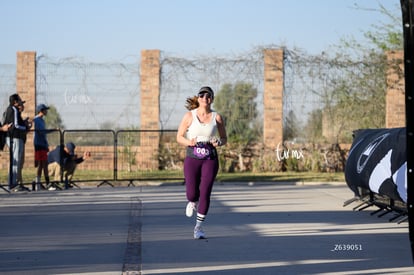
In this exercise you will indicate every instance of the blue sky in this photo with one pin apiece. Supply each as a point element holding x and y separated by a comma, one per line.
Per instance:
<point>113,30</point>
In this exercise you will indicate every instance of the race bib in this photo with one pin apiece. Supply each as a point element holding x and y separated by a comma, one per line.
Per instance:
<point>202,151</point>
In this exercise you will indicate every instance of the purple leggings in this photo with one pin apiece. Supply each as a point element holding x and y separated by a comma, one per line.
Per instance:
<point>199,179</point>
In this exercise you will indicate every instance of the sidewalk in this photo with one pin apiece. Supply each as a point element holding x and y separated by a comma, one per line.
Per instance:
<point>259,229</point>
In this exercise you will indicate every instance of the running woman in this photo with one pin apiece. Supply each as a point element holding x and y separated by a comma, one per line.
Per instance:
<point>201,130</point>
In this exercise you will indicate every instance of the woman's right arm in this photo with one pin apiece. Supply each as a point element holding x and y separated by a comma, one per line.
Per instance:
<point>182,129</point>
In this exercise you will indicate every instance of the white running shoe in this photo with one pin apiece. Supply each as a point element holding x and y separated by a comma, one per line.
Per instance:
<point>191,207</point>
<point>199,233</point>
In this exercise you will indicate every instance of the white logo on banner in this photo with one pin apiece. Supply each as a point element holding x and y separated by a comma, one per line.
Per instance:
<point>368,151</point>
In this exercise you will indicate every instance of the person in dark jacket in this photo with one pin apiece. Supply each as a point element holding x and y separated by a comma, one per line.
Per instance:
<point>16,139</point>
<point>66,159</point>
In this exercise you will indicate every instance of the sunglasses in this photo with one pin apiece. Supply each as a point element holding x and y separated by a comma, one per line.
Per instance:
<point>207,95</point>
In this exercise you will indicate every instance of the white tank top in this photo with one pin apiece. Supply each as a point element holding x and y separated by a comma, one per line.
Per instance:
<point>202,131</point>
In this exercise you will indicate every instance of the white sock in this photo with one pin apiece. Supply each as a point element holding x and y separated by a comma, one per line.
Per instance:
<point>200,219</point>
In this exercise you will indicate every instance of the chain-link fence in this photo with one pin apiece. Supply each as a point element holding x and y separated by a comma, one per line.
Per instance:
<point>324,98</point>
<point>90,95</point>
<point>7,84</point>
<point>182,78</point>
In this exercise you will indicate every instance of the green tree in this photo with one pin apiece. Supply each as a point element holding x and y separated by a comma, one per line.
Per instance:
<point>355,79</point>
<point>53,119</point>
<point>355,98</point>
<point>386,35</point>
<point>313,128</point>
<point>236,103</point>
<point>291,127</point>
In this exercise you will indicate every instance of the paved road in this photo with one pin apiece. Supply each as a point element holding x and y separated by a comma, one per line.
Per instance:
<point>260,229</point>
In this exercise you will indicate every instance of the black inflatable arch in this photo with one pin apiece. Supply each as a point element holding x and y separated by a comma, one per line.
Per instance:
<point>407,9</point>
<point>377,164</point>
<point>380,164</point>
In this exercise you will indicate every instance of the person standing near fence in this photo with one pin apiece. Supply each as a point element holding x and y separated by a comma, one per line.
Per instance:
<point>15,140</point>
<point>201,130</point>
<point>28,125</point>
<point>41,146</point>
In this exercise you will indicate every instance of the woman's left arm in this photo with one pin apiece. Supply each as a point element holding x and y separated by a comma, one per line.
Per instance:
<point>221,130</point>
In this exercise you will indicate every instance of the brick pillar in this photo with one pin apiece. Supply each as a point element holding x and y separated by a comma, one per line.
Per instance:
<point>26,88</point>
<point>26,81</point>
<point>273,98</point>
<point>150,109</point>
<point>395,94</point>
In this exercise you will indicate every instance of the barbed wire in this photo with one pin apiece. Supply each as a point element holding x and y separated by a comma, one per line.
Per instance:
<point>90,95</point>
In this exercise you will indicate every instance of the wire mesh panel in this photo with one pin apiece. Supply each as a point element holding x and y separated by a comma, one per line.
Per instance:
<point>54,137</point>
<point>183,77</point>
<point>7,84</point>
<point>90,95</point>
<point>100,143</point>
<point>302,92</point>
<point>143,155</point>
<point>324,99</point>
<point>128,153</point>
<point>327,97</point>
